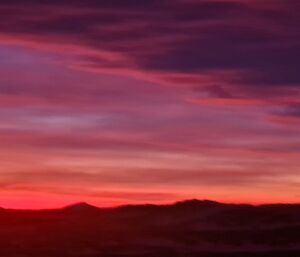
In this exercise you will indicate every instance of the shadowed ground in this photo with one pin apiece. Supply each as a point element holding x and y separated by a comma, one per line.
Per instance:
<point>190,228</point>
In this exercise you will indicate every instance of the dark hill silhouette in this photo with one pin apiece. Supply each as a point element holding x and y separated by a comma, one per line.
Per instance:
<point>187,228</point>
<point>81,207</point>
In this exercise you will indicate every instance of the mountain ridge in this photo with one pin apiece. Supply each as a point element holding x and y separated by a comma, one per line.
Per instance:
<point>83,206</point>
<point>186,228</point>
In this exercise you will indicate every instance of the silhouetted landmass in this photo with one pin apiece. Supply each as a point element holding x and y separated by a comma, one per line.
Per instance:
<point>188,228</point>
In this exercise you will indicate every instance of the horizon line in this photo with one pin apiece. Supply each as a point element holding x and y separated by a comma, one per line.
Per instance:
<point>149,204</point>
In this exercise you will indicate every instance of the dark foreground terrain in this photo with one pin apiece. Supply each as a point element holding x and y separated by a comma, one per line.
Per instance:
<point>190,228</point>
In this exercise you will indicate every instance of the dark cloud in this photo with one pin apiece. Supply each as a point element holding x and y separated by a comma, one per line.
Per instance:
<point>181,36</point>
<point>290,111</point>
<point>193,11</point>
<point>135,4</point>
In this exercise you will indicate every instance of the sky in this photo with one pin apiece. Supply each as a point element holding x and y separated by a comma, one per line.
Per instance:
<point>154,101</point>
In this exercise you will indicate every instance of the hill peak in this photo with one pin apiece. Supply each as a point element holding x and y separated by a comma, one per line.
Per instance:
<point>81,206</point>
<point>197,202</point>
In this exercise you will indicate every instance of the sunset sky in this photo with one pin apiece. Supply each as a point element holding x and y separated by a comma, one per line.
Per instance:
<point>149,101</point>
